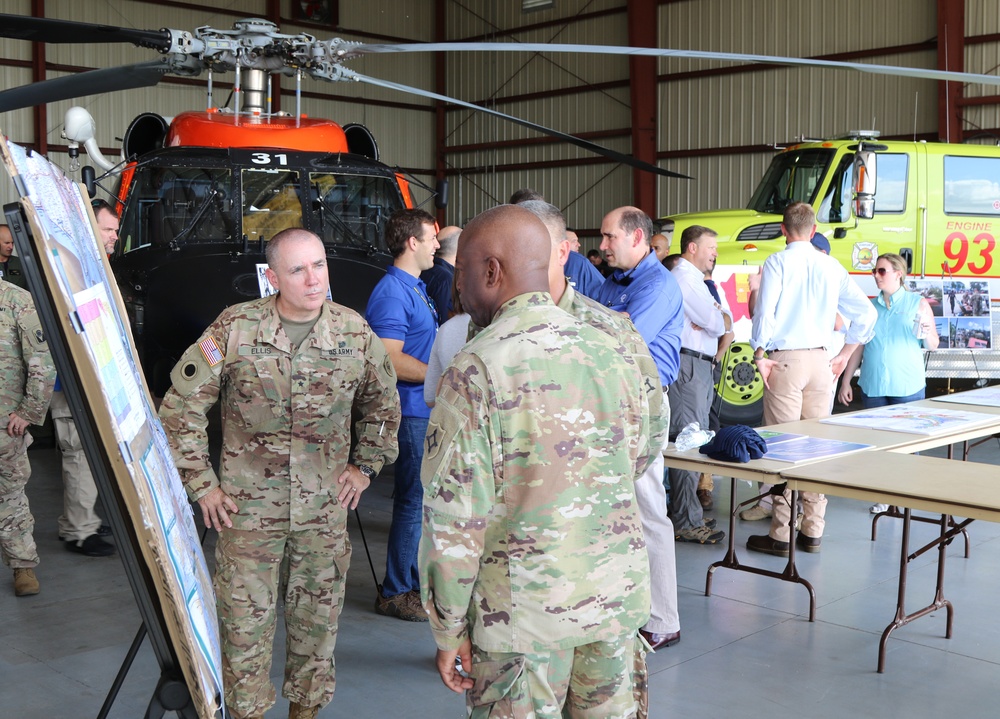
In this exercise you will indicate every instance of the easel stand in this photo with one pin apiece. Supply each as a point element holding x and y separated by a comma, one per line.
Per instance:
<point>171,693</point>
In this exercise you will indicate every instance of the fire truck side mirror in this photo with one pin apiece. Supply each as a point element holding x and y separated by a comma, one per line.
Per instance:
<point>864,184</point>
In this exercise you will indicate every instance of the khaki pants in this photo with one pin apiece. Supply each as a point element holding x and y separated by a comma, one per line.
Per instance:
<point>593,681</point>
<point>800,387</point>
<point>78,520</point>
<point>247,583</point>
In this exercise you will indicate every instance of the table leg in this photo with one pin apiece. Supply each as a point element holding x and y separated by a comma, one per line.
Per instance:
<point>730,561</point>
<point>948,530</point>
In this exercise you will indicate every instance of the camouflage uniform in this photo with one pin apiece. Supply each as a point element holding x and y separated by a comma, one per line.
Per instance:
<point>25,389</point>
<point>531,544</point>
<point>286,420</point>
<point>12,272</point>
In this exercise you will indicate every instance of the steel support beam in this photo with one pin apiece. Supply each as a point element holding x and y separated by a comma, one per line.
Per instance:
<point>643,26</point>
<point>40,112</point>
<point>441,88</point>
<point>951,56</point>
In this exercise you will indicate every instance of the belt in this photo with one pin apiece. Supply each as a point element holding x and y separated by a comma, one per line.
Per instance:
<point>797,349</point>
<point>699,355</point>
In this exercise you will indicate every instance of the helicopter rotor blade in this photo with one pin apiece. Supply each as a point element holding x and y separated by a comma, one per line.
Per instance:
<point>572,139</point>
<point>93,82</point>
<point>40,29</point>
<point>923,73</point>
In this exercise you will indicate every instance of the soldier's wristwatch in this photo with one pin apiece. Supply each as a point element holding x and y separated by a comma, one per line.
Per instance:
<point>366,470</point>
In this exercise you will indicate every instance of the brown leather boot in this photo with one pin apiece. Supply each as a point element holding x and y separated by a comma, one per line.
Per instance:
<point>25,582</point>
<point>297,711</point>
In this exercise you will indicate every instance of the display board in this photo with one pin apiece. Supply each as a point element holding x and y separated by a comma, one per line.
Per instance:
<point>97,360</point>
<point>961,311</point>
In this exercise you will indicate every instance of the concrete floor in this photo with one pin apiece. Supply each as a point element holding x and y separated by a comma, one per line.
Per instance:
<point>747,650</point>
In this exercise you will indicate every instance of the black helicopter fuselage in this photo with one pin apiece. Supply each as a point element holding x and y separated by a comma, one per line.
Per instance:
<point>196,221</point>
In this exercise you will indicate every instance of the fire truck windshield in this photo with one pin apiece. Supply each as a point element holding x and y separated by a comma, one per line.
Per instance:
<point>794,176</point>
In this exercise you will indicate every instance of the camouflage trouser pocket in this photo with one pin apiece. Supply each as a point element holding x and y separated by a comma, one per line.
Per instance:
<point>500,690</point>
<point>640,678</point>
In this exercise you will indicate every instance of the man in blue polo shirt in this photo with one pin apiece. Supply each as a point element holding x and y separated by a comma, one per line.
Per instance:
<point>404,317</point>
<point>643,288</point>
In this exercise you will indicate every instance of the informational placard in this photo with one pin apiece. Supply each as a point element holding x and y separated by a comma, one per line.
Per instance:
<point>913,420</point>
<point>89,311</point>
<point>809,449</point>
<point>964,321</point>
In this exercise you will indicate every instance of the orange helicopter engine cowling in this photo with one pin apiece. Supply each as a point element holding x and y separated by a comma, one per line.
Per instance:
<point>218,129</point>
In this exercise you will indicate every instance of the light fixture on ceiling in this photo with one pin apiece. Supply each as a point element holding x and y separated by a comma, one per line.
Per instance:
<point>532,5</point>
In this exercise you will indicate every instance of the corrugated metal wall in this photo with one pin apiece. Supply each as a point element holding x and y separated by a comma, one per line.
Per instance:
<point>776,104</point>
<point>982,17</point>
<point>405,136</point>
<point>585,191</point>
<point>718,126</point>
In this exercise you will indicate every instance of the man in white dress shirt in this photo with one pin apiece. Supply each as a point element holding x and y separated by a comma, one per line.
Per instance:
<point>801,292</point>
<point>705,321</point>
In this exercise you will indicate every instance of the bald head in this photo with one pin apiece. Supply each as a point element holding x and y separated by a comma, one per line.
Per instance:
<point>503,252</point>
<point>6,243</point>
<point>660,245</point>
<point>626,232</point>
<point>448,241</point>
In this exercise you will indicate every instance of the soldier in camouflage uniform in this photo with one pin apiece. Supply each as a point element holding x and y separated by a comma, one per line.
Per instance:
<point>25,389</point>
<point>532,559</point>
<point>10,265</point>
<point>291,368</point>
<point>650,494</point>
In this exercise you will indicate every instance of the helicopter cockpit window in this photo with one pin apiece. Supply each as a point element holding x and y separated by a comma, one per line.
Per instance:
<point>271,203</point>
<point>792,177</point>
<point>351,210</point>
<point>177,205</point>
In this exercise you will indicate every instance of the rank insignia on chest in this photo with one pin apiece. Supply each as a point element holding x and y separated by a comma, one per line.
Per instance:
<point>210,349</point>
<point>433,440</point>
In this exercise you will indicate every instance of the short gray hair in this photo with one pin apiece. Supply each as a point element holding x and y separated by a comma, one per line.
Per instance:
<point>550,216</point>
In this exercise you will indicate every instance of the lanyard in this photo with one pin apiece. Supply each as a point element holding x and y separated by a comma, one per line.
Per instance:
<point>429,302</point>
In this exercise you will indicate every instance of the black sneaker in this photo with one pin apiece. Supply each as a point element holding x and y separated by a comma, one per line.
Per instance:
<point>764,543</point>
<point>808,544</point>
<point>92,546</point>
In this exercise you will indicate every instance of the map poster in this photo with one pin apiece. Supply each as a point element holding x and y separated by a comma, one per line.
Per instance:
<point>984,397</point>
<point>910,419</point>
<point>131,443</point>
<point>810,449</point>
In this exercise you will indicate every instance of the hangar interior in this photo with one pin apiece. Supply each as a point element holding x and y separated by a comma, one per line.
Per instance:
<point>717,122</point>
<point>748,650</point>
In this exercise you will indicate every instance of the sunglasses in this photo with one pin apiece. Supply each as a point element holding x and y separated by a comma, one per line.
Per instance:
<point>880,271</point>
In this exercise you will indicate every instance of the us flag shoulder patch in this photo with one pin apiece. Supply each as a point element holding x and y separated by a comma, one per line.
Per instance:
<point>211,350</point>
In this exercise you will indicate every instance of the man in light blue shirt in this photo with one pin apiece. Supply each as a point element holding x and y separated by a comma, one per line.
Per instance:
<point>801,292</point>
<point>642,288</point>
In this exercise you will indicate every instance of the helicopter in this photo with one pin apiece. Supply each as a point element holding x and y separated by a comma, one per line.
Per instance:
<point>200,195</point>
